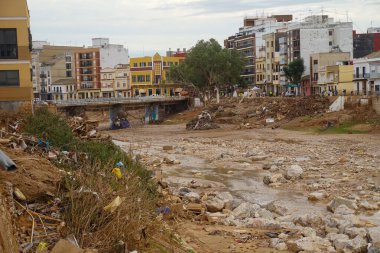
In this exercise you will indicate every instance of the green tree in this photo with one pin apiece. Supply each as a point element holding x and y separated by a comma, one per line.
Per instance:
<point>209,67</point>
<point>294,71</point>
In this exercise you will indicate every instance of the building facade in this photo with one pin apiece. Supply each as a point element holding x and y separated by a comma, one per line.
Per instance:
<point>366,43</point>
<point>107,80</point>
<point>150,75</point>
<point>367,74</point>
<point>318,34</point>
<point>110,54</point>
<point>15,54</point>
<point>87,72</point>
<point>318,70</point>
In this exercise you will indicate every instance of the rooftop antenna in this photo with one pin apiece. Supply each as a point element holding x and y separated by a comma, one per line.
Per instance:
<point>347,15</point>
<point>322,9</point>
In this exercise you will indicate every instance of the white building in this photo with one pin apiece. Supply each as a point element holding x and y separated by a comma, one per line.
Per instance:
<point>63,89</point>
<point>318,34</point>
<point>110,54</point>
<point>367,74</point>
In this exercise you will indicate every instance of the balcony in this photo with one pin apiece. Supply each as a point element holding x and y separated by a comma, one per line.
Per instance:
<point>87,85</point>
<point>86,64</point>
<point>361,76</point>
<point>43,76</point>
<point>374,75</point>
<point>86,72</point>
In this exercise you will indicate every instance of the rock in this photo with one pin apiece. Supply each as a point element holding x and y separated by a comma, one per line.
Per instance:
<point>192,197</point>
<point>168,160</point>
<point>354,232</point>
<point>274,178</point>
<point>64,246</point>
<point>309,220</point>
<point>257,158</point>
<point>264,213</point>
<point>278,244</point>
<point>368,206</point>
<point>261,223</point>
<point>315,196</point>
<point>374,239</point>
<point>245,210</point>
<point>277,207</point>
<point>167,148</point>
<point>294,172</point>
<point>359,245</point>
<point>227,198</point>
<point>343,210</point>
<point>267,166</point>
<point>216,217</point>
<point>214,205</point>
<point>335,203</point>
<point>310,244</point>
<point>308,232</point>
<point>18,194</point>
<point>183,191</point>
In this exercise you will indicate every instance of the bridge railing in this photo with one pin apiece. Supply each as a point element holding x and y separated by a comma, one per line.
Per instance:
<point>131,100</point>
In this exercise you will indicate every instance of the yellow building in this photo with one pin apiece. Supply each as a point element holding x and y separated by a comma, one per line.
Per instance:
<point>260,72</point>
<point>149,75</point>
<point>15,57</point>
<point>339,77</point>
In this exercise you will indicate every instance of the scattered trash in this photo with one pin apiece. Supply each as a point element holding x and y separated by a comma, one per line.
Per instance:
<point>163,210</point>
<point>111,207</point>
<point>6,162</point>
<point>117,173</point>
<point>18,194</point>
<point>42,248</point>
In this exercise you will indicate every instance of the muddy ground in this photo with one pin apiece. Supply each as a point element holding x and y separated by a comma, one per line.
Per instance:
<point>230,160</point>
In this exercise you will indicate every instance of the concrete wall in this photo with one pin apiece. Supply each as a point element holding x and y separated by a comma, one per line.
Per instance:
<point>343,37</point>
<point>112,55</point>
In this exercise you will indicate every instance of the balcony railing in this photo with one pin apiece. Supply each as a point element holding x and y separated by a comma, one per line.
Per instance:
<point>86,64</point>
<point>87,85</point>
<point>361,75</point>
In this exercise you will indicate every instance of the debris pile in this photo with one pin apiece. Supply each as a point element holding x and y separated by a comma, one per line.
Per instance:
<point>263,111</point>
<point>84,129</point>
<point>203,121</point>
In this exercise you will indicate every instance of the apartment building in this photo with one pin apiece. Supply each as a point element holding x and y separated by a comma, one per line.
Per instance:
<point>272,63</point>
<point>16,89</point>
<point>149,75</point>
<point>249,40</point>
<point>107,80</point>
<point>367,74</point>
<point>319,79</point>
<point>122,81</point>
<point>366,43</point>
<point>50,64</point>
<point>63,89</point>
<point>110,54</point>
<point>87,72</point>
<point>318,34</point>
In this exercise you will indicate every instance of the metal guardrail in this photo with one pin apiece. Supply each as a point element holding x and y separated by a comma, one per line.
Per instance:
<point>107,101</point>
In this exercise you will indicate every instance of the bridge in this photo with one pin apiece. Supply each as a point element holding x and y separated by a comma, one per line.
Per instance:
<point>152,105</point>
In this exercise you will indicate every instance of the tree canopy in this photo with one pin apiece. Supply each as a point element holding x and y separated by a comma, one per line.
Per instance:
<point>208,66</point>
<point>294,71</point>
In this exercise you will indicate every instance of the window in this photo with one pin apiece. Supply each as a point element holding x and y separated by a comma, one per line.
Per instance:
<point>118,84</point>
<point>315,61</point>
<point>267,43</point>
<point>150,64</point>
<point>271,43</point>
<point>134,78</point>
<point>142,64</point>
<point>68,74</point>
<point>135,65</point>
<point>330,33</point>
<point>68,58</point>
<point>330,43</point>
<point>164,63</point>
<point>109,76</point>
<point>68,65</point>
<point>147,78</point>
<point>9,78</point>
<point>8,43</point>
<point>141,79</point>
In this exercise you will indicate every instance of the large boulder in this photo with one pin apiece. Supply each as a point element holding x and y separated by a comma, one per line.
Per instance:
<point>313,244</point>
<point>277,207</point>
<point>354,232</point>
<point>192,197</point>
<point>227,198</point>
<point>274,178</point>
<point>214,205</point>
<point>316,196</point>
<point>295,171</point>
<point>245,210</point>
<point>335,203</point>
<point>374,239</point>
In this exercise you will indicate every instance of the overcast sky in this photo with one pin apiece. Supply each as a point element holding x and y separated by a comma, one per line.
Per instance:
<point>146,26</point>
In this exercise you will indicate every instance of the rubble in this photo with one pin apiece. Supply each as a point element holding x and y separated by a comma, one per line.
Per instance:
<point>203,121</point>
<point>85,129</point>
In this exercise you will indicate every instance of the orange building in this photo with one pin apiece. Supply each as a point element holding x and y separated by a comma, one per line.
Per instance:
<point>87,70</point>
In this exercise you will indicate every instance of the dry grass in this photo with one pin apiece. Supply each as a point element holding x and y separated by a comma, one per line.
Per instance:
<point>89,191</point>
